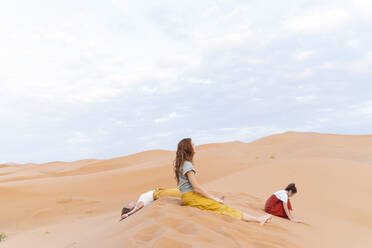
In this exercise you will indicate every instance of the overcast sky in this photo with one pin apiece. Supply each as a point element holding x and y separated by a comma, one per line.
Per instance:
<point>100,79</point>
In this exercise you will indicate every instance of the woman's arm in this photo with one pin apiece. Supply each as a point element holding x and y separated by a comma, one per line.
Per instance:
<point>289,213</point>
<point>199,189</point>
<point>135,209</point>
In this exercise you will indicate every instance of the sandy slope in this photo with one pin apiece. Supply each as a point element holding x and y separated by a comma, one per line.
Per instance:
<point>77,204</point>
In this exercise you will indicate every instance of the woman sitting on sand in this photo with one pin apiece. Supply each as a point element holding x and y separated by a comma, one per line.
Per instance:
<point>195,195</point>
<point>146,198</point>
<point>279,204</point>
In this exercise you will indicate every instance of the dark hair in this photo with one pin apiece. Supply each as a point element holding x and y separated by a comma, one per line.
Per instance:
<point>184,152</point>
<point>291,187</point>
<point>125,210</point>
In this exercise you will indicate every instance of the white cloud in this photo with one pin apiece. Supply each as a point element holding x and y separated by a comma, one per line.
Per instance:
<point>318,22</point>
<point>155,141</point>
<point>353,43</point>
<point>93,94</point>
<point>363,109</point>
<point>167,118</point>
<point>79,138</point>
<point>120,71</point>
<point>61,36</point>
<point>154,137</point>
<point>303,55</point>
<point>200,81</point>
<point>226,40</point>
<point>364,8</point>
<point>361,65</point>
<point>306,99</point>
<point>233,133</point>
<point>302,75</point>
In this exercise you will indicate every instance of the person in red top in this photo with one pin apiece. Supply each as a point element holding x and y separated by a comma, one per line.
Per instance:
<point>279,204</point>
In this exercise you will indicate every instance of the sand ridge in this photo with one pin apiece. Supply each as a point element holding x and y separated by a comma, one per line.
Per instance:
<point>77,204</point>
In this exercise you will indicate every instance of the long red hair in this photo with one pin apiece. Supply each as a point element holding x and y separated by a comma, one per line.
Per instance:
<point>185,151</point>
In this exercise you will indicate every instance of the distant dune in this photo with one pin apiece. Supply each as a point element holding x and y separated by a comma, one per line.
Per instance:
<point>77,204</point>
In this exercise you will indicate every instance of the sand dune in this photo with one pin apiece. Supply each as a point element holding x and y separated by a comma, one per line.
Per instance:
<point>78,204</point>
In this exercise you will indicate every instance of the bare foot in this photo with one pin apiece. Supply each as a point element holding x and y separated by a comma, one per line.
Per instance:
<point>264,219</point>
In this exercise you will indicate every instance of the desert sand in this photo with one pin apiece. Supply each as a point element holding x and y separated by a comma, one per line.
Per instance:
<point>78,204</point>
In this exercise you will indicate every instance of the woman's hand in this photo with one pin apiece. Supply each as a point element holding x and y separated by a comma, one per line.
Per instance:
<point>199,189</point>
<point>124,216</point>
<point>220,200</point>
<point>296,220</point>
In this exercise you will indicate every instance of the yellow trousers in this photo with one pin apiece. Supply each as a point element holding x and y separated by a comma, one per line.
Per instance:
<point>161,192</point>
<point>194,199</point>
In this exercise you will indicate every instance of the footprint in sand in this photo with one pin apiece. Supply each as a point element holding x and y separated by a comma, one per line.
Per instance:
<point>64,200</point>
<point>42,212</point>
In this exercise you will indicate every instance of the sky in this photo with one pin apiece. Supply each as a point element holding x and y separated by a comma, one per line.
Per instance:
<point>100,79</point>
